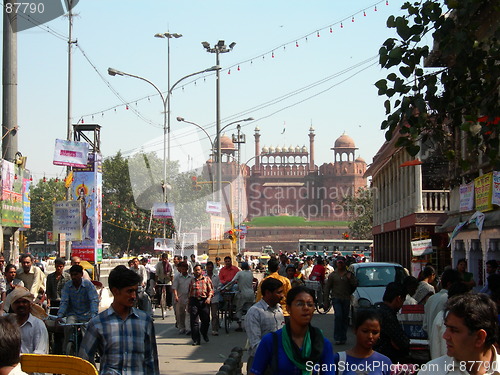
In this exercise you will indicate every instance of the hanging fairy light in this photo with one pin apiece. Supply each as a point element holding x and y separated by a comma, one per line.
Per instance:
<point>352,19</point>
<point>317,34</point>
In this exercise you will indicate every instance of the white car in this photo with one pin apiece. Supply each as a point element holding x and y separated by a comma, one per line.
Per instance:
<point>372,278</point>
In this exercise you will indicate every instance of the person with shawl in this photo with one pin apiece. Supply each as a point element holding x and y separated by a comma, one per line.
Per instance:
<point>298,348</point>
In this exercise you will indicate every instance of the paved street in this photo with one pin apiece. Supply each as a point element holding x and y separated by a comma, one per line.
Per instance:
<point>177,356</point>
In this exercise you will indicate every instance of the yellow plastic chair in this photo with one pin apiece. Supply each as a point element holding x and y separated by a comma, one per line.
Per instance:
<point>56,364</point>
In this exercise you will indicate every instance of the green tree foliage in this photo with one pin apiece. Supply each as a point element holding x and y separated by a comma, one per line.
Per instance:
<point>458,97</point>
<point>360,207</point>
<point>43,194</point>
<point>131,187</point>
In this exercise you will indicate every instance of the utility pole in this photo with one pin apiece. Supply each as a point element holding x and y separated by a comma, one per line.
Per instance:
<point>69,123</point>
<point>9,83</point>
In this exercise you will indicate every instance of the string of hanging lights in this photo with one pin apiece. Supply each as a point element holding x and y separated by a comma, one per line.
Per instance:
<point>328,29</point>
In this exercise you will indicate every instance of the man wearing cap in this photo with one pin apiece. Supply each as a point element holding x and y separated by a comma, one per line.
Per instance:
<point>342,283</point>
<point>79,301</point>
<point>34,335</point>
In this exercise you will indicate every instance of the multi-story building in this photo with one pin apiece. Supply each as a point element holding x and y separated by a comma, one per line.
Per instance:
<point>409,202</point>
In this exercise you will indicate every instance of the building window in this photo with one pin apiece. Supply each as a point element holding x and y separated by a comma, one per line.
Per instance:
<point>494,244</point>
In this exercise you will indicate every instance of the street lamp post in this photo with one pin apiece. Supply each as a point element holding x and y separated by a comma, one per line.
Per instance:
<point>218,48</point>
<point>165,100</point>
<point>239,138</point>
<point>168,36</point>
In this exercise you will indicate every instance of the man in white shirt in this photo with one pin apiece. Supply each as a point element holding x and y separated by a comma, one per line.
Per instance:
<point>471,322</point>
<point>34,335</point>
<point>142,296</point>
<point>264,316</point>
<point>436,302</point>
<point>180,288</point>
<point>306,271</point>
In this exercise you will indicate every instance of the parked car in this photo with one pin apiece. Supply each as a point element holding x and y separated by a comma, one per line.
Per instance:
<point>372,278</point>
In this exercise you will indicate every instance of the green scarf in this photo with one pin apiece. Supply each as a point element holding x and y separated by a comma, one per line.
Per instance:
<point>312,348</point>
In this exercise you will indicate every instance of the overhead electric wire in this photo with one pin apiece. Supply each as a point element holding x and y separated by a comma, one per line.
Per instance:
<point>277,100</point>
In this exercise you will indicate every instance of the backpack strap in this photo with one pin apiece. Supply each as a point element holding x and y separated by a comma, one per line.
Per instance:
<point>342,358</point>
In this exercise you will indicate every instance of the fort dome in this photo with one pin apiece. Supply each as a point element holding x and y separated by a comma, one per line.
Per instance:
<point>226,144</point>
<point>344,141</point>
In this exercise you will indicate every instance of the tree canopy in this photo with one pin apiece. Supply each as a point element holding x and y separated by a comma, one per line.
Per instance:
<point>360,207</point>
<point>448,95</point>
<point>130,188</point>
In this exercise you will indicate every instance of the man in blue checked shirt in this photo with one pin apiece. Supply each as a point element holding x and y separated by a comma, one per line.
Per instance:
<point>123,335</point>
<point>79,301</point>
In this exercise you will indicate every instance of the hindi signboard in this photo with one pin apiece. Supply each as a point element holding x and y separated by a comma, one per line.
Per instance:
<point>421,247</point>
<point>495,198</point>
<point>483,192</point>
<point>15,208</point>
<point>163,210</point>
<point>67,218</point>
<point>214,207</point>
<point>71,153</point>
<point>467,197</point>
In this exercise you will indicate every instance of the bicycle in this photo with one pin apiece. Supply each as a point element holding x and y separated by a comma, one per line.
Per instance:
<point>75,336</point>
<point>226,311</point>
<point>316,286</point>
<point>163,300</point>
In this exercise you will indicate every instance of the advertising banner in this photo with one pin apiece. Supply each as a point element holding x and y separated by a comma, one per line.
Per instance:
<point>421,247</point>
<point>67,219</point>
<point>214,207</point>
<point>467,197</point>
<point>217,227</point>
<point>15,199</point>
<point>163,210</point>
<point>71,153</point>
<point>483,192</point>
<point>86,190</point>
<point>495,199</point>
<point>164,244</point>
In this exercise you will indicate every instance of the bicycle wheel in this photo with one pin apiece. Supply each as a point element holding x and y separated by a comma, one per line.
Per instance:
<point>71,349</point>
<point>163,302</point>
<point>322,309</point>
<point>228,317</point>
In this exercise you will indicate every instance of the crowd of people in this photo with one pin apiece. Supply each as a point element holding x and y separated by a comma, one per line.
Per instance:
<point>461,324</point>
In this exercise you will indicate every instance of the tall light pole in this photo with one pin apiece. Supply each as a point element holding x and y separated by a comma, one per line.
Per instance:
<point>218,48</point>
<point>165,100</point>
<point>239,138</point>
<point>168,36</point>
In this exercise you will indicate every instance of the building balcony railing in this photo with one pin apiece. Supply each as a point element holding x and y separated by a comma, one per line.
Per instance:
<point>435,200</point>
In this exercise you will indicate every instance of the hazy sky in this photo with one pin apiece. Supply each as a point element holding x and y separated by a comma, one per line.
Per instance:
<point>326,79</point>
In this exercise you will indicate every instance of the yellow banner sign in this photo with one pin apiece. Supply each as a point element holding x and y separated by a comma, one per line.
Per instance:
<point>483,192</point>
